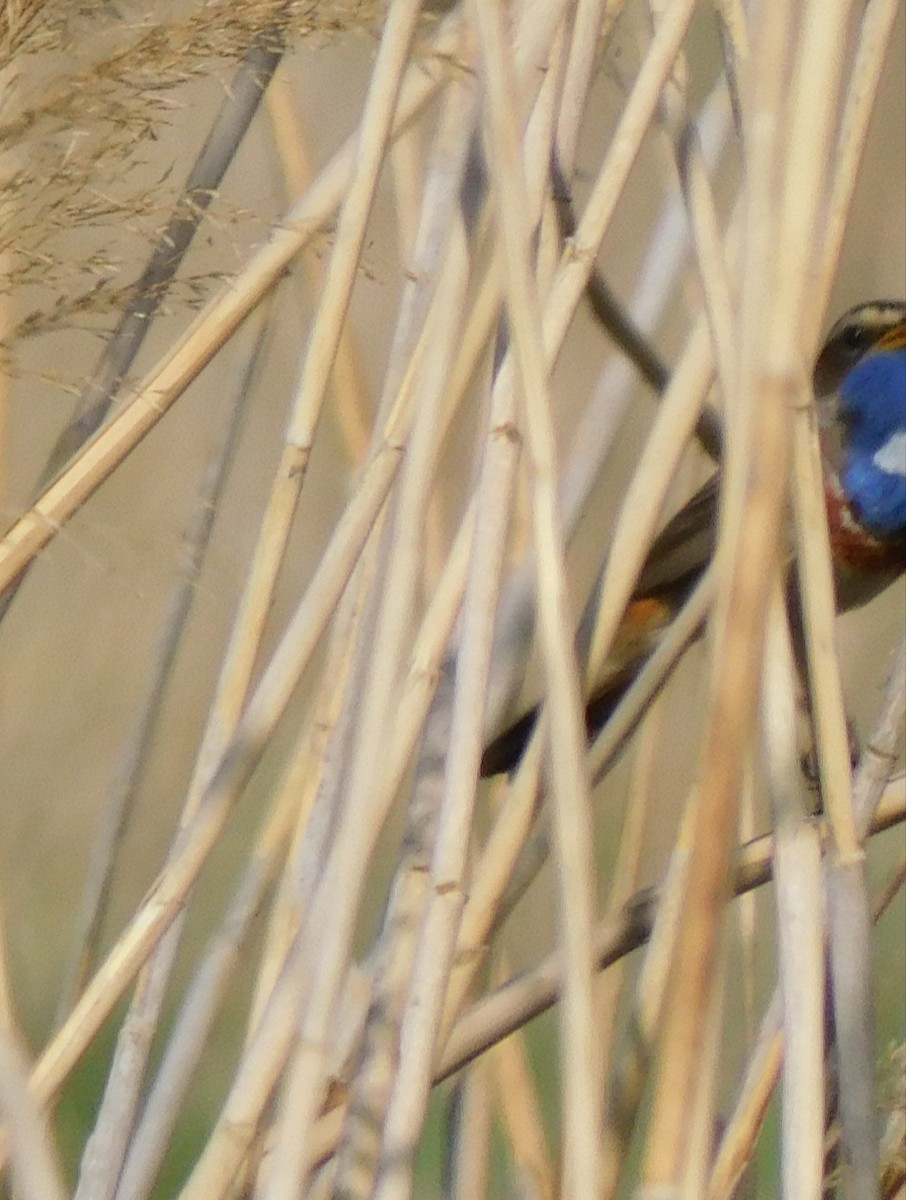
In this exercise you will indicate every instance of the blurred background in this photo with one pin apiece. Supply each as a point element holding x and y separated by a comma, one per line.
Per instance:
<point>76,643</point>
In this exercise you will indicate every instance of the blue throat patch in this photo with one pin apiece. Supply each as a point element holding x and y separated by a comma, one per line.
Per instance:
<point>873,407</point>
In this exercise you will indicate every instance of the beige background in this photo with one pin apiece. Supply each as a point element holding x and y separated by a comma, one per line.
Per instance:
<point>74,649</point>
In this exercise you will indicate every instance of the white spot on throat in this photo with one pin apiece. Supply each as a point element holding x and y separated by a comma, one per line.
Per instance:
<point>891,458</point>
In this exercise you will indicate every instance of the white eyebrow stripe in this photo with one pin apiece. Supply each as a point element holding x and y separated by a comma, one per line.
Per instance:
<point>891,458</point>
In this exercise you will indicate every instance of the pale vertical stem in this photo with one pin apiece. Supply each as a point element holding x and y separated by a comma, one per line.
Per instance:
<point>593,19</point>
<point>879,755</point>
<point>626,868</point>
<point>408,172</point>
<point>819,64</point>
<point>36,1174</point>
<point>877,22</point>
<point>468,1130</point>
<point>436,942</point>
<point>629,1076</point>
<point>746,917</point>
<point>702,1100</point>
<point>756,1088</point>
<point>519,1103</point>
<point>348,384</point>
<point>748,562</point>
<point>703,220</point>
<point>569,784</point>
<point>800,924</point>
<point>7,1007</point>
<point>812,145</point>
<point>378,719</point>
<point>639,512</point>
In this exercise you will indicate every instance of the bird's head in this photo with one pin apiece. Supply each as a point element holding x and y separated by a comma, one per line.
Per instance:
<point>860,383</point>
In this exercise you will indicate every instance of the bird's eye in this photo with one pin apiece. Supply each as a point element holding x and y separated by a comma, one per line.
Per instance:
<point>855,339</point>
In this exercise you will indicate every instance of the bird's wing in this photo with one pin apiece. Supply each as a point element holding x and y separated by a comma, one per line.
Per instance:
<point>682,550</point>
<point>677,558</point>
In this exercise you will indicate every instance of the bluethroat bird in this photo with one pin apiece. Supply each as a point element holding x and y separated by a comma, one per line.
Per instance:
<point>860,388</point>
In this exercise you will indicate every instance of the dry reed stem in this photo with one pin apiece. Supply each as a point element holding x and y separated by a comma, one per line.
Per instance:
<point>395,613</point>
<point>626,871</point>
<point>469,1125</point>
<point>800,919</point>
<point>379,697</point>
<point>769,374</point>
<point>703,221</point>
<point>386,662</point>
<point>264,709</point>
<point>813,149</point>
<point>511,1005</point>
<point>880,753</point>
<point>519,1102</point>
<point>386,659</point>
<point>163,386</point>
<point>819,67</point>
<point>744,1124</point>
<point>571,814</point>
<point>348,385</point>
<point>105,1149</point>
<point>36,1174</point>
<point>673,424</point>
<point>136,750</point>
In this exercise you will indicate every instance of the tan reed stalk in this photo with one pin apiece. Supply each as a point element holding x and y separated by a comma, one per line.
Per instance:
<point>764,1066</point>
<point>520,1114</point>
<point>105,1149</point>
<point>118,807</point>
<point>762,1071</point>
<point>164,385</point>
<point>348,386</point>
<point>572,825</point>
<point>36,1174</point>
<point>477,169</point>
<point>513,1004</point>
<point>626,871</point>
<point>468,1156</point>
<point>800,911</point>
<point>769,376</point>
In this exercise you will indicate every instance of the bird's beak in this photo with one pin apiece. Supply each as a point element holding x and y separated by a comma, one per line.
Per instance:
<point>893,339</point>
